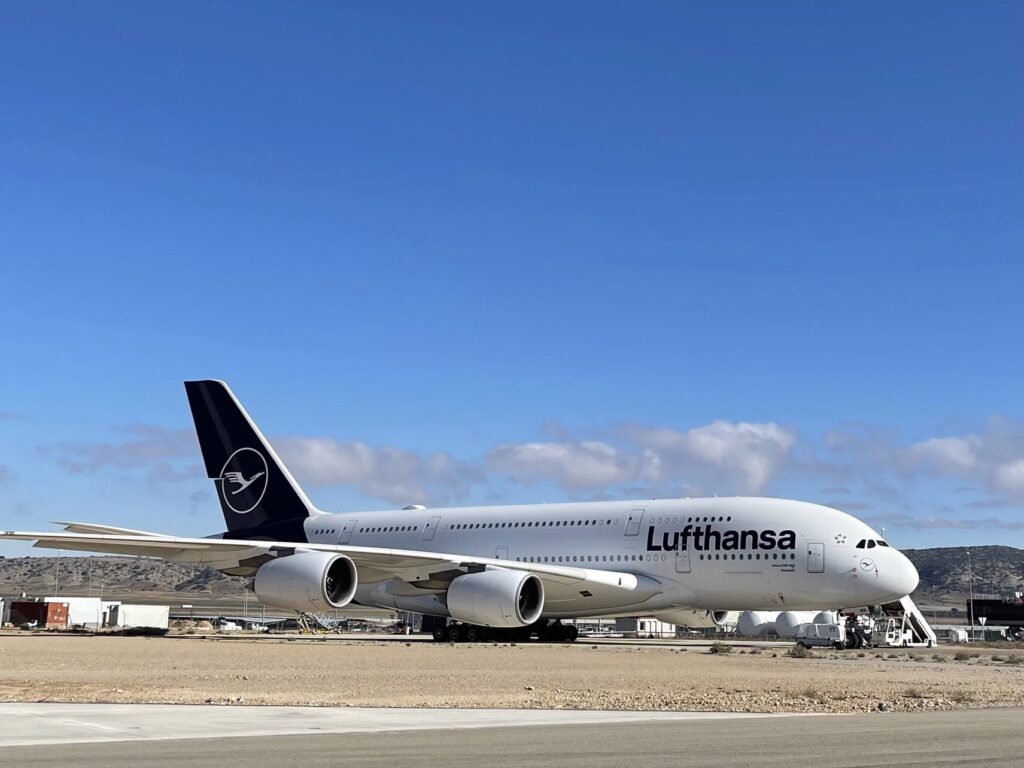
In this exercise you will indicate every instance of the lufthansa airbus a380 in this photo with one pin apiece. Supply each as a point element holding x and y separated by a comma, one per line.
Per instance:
<point>512,571</point>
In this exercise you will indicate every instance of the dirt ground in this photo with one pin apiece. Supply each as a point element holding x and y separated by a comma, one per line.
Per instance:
<point>305,671</point>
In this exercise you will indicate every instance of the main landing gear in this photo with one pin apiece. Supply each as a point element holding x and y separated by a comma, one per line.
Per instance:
<point>545,630</point>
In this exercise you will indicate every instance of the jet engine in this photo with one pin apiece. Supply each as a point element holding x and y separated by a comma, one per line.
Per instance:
<point>721,618</point>
<point>306,581</point>
<point>496,598</point>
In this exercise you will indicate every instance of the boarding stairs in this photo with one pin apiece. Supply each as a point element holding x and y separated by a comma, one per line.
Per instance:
<point>314,622</point>
<point>907,611</point>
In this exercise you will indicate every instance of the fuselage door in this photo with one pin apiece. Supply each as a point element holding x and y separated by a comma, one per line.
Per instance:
<point>430,528</point>
<point>682,561</point>
<point>346,531</point>
<point>815,557</point>
<point>633,522</point>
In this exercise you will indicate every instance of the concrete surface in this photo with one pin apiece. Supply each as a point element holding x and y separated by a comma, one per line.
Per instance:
<point>49,724</point>
<point>484,738</point>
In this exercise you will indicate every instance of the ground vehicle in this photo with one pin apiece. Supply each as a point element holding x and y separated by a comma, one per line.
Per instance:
<point>892,632</point>
<point>821,635</point>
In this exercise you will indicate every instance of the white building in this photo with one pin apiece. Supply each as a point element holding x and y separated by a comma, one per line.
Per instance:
<point>90,612</point>
<point>126,616</point>
<point>642,626</point>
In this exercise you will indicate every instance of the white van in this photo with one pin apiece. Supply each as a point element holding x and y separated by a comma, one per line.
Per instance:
<point>821,635</point>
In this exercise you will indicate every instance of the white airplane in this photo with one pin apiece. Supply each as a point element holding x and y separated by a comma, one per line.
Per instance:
<point>507,571</point>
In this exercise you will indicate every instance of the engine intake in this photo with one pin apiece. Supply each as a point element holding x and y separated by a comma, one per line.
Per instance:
<point>496,598</point>
<point>721,618</point>
<point>307,581</point>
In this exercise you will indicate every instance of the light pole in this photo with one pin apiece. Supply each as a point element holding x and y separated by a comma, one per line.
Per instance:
<point>970,586</point>
<point>56,575</point>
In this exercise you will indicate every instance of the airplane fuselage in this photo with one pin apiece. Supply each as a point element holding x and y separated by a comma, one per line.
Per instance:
<point>716,554</point>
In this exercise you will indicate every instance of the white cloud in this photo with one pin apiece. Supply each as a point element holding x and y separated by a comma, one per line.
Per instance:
<point>393,474</point>
<point>581,465</point>
<point>725,456</point>
<point>739,456</point>
<point>156,449</point>
<point>946,454</point>
<point>903,520</point>
<point>993,459</point>
<point>1009,477</point>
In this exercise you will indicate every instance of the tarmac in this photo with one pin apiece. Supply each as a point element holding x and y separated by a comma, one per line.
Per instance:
<point>112,735</point>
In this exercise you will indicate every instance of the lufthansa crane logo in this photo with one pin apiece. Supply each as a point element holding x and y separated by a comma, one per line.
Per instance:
<point>243,480</point>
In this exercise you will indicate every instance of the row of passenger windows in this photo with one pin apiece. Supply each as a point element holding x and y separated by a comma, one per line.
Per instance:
<point>697,519</point>
<point>379,529</point>
<point>541,524</point>
<point>537,524</point>
<point>558,523</point>
<point>870,543</point>
<point>632,558</point>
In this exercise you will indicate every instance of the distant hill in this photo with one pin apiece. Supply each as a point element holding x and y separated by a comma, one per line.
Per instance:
<point>944,574</point>
<point>944,570</point>
<point>37,575</point>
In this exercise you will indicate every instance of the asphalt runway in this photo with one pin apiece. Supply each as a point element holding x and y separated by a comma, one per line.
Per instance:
<point>102,736</point>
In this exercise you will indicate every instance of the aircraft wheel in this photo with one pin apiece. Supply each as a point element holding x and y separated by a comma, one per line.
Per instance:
<point>521,635</point>
<point>439,634</point>
<point>476,634</point>
<point>454,633</point>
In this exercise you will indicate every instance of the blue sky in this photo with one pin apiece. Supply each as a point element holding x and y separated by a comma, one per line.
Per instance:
<point>453,253</point>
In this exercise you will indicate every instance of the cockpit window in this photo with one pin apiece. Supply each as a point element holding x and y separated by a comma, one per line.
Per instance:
<point>860,544</point>
<point>882,543</point>
<point>871,544</point>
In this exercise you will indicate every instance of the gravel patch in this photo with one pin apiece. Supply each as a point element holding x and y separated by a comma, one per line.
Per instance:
<point>531,675</point>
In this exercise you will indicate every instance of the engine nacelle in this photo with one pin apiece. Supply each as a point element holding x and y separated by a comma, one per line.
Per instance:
<point>496,598</point>
<point>306,581</point>
<point>723,618</point>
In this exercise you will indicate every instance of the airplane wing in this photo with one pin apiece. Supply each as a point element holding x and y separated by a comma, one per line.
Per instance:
<point>97,528</point>
<point>407,565</point>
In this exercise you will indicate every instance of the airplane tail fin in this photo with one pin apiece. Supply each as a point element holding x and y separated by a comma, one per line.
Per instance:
<point>259,497</point>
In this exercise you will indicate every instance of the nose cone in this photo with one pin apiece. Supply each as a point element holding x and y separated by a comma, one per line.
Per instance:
<point>907,577</point>
<point>886,575</point>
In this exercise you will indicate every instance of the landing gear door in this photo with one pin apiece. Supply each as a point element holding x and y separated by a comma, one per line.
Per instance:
<point>430,528</point>
<point>346,531</point>
<point>815,557</point>
<point>633,522</point>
